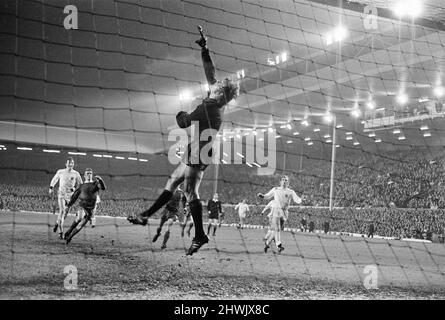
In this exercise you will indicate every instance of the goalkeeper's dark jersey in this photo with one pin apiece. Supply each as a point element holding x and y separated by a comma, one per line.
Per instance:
<point>87,193</point>
<point>210,112</point>
<point>173,204</point>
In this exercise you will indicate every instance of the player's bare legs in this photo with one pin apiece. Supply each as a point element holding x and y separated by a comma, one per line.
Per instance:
<point>161,224</point>
<point>169,222</point>
<point>278,240</point>
<point>93,219</point>
<point>220,220</point>
<point>189,222</point>
<point>167,233</point>
<point>184,222</point>
<point>190,228</point>
<point>73,225</point>
<point>212,223</point>
<point>176,178</point>
<point>82,218</point>
<point>61,203</point>
<point>93,222</point>
<point>75,229</point>
<point>241,223</point>
<point>274,234</point>
<point>269,236</point>
<point>193,177</point>
<point>63,212</point>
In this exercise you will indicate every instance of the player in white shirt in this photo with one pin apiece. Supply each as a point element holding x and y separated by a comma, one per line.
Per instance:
<point>68,179</point>
<point>242,208</point>
<point>282,197</point>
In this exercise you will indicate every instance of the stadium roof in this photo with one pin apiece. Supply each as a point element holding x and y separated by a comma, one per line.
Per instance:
<point>115,83</point>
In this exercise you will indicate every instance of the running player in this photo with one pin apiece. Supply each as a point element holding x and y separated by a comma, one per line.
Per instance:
<point>209,116</point>
<point>87,193</point>
<point>282,196</point>
<point>68,179</point>
<point>242,208</point>
<point>169,215</point>
<point>214,208</point>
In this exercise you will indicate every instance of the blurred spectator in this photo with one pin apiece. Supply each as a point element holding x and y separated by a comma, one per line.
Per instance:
<point>303,224</point>
<point>371,230</point>
<point>402,190</point>
<point>311,226</point>
<point>326,226</point>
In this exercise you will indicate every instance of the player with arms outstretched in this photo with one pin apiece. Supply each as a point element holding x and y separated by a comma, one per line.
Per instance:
<point>209,116</point>
<point>170,215</point>
<point>282,197</point>
<point>87,195</point>
<point>68,179</point>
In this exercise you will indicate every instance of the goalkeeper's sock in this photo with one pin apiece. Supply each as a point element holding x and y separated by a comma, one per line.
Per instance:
<point>75,223</point>
<point>196,209</point>
<point>159,203</point>
<point>75,231</point>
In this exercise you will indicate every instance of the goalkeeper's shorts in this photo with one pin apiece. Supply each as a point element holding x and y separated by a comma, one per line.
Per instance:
<point>85,213</point>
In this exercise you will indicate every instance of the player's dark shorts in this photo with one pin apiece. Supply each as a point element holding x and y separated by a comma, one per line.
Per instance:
<point>213,215</point>
<point>192,157</point>
<point>86,213</point>
<point>170,214</point>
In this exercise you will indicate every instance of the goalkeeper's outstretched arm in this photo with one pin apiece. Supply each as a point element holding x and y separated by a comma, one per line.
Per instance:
<point>209,67</point>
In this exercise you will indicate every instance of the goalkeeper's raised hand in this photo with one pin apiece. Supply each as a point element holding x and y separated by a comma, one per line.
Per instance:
<point>203,41</point>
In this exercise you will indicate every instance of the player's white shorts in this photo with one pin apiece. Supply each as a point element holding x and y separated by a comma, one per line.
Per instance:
<point>276,214</point>
<point>242,215</point>
<point>275,223</point>
<point>63,200</point>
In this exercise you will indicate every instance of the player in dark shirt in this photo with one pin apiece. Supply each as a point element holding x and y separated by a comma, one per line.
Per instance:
<point>311,226</point>
<point>169,215</point>
<point>303,223</point>
<point>214,208</point>
<point>326,226</point>
<point>87,195</point>
<point>209,117</point>
<point>371,230</point>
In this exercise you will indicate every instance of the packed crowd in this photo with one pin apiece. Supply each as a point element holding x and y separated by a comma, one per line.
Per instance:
<point>389,222</point>
<point>383,183</point>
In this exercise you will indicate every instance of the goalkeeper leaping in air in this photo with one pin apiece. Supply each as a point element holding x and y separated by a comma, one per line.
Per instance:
<point>209,115</point>
<point>87,193</point>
